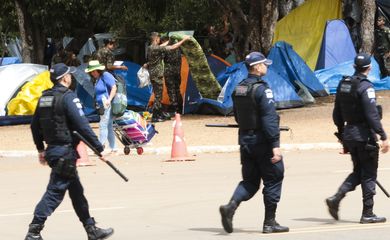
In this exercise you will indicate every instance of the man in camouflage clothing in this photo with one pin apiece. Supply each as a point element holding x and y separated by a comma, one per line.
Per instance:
<point>172,67</point>
<point>155,66</point>
<point>106,56</point>
<point>383,45</point>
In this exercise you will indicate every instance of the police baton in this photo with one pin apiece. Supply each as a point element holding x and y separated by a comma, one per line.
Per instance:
<point>382,188</point>
<point>100,155</point>
<point>281,128</point>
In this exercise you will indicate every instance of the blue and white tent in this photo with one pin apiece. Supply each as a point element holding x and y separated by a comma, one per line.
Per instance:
<point>291,67</point>
<point>337,46</point>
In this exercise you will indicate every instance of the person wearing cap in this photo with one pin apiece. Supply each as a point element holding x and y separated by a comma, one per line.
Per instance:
<point>58,114</point>
<point>382,45</point>
<point>105,90</point>
<point>106,56</point>
<point>156,70</point>
<point>259,140</point>
<point>358,121</point>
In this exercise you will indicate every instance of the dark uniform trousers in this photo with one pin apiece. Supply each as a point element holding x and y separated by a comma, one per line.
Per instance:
<point>56,189</point>
<point>365,165</point>
<point>256,165</point>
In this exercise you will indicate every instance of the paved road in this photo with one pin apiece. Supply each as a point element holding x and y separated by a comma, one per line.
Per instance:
<point>180,200</point>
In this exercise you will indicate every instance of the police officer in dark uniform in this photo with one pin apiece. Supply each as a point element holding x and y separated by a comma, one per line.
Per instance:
<point>58,114</point>
<point>358,122</point>
<point>261,159</point>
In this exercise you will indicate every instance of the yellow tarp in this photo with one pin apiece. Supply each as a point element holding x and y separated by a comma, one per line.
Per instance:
<point>26,101</point>
<point>304,26</point>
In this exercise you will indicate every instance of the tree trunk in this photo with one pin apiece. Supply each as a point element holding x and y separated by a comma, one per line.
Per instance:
<point>269,13</point>
<point>285,6</point>
<point>31,34</point>
<point>239,23</point>
<point>39,43</point>
<point>253,42</point>
<point>297,3</point>
<point>367,26</point>
<point>25,30</point>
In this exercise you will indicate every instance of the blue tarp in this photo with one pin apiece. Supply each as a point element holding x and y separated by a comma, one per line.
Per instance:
<point>193,101</point>
<point>284,94</point>
<point>337,46</point>
<point>136,97</point>
<point>230,78</point>
<point>290,66</point>
<point>9,60</point>
<point>331,77</point>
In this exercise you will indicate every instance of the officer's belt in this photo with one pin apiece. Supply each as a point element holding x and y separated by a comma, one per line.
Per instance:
<point>250,131</point>
<point>60,144</point>
<point>363,124</point>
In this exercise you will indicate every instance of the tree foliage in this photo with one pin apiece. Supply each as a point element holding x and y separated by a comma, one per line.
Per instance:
<point>251,21</point>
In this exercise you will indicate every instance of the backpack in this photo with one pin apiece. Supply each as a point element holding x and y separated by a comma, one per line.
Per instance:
<point>119,102</point>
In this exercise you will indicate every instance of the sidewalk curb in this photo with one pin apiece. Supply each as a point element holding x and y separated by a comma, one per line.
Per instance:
<point>197,149</point>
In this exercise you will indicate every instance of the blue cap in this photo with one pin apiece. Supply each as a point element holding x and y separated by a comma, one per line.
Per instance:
<point>59,70</point>
<point>254,58</point>
<point>362,60</point>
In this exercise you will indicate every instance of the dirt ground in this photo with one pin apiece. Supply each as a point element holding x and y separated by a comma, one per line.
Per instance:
<point>309,124</point>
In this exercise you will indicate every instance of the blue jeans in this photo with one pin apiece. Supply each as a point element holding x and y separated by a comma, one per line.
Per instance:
<point>106,129</point>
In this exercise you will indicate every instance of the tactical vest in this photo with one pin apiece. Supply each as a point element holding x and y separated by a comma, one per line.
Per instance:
<point>351,109</point>
<point>52,120</point>
<point>245,106</point>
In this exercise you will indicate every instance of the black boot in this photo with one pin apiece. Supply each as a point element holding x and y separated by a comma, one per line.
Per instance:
<point>270,225</point>
<point>95,233</point>
<point>227,212</point>
<point>34,232</point>
<point>167,115</point>
<point>333,203</point>
<point>369,217</point>
<point>157,117</point>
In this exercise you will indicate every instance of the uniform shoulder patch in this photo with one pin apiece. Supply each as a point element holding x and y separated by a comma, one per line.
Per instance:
<point>268,93</point>
<point>370,93</point>
<point>77,102</point>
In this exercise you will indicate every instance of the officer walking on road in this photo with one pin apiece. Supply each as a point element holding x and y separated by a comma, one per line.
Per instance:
<point>358,122</point>
<point>58,114</point>
<point>259,139</point>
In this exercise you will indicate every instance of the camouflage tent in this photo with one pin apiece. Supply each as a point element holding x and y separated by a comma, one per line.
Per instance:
<point>201,73</point>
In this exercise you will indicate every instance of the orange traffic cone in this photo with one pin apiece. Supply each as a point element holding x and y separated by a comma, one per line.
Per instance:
<point>179,147</point>
<point>83,160</point>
